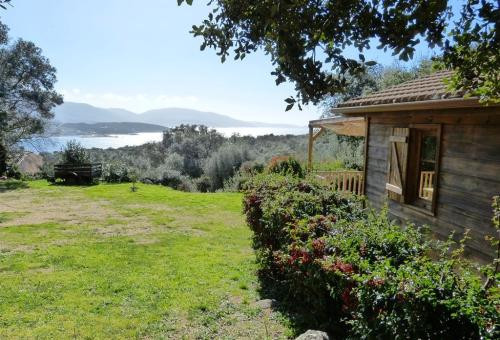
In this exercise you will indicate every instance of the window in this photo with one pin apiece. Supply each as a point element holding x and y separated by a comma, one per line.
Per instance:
<point>413,165</point>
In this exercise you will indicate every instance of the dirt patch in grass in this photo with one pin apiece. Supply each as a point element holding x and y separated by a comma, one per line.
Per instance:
<point>231,320</point>
<point>33,209</point>
<point>9,248</point>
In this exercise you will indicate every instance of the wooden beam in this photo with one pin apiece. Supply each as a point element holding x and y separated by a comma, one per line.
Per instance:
<point>310,148</point>
<point>319,133</point>
<point>320,122</point>
<point>365,165</point>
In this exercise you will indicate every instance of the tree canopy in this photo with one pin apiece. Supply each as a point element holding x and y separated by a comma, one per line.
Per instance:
<point>377,78</point>
<point>27,94</point>
<point>306,39</point>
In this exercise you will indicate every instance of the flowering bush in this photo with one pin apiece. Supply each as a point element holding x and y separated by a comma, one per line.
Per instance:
<point>354,271</point>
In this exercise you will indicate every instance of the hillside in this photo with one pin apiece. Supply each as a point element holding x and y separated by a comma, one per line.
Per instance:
<point>83,113</point>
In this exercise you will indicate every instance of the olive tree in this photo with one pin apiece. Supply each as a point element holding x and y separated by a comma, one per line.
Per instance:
<point>27,94</point>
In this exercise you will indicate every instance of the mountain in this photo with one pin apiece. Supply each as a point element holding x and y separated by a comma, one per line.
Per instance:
<point>83,113</point>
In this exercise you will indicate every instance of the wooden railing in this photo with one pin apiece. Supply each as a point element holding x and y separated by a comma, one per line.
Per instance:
<point>351,181</point>
<point>426,186</point>
<point>78,173</point>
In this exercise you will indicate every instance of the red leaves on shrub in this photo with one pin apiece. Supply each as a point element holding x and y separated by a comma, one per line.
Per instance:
<point>319,247</point>
<point>349,301</point>
<point>251,200</point>
<point>299,254</point>
<point>376,282</point>
<point>342,267</point>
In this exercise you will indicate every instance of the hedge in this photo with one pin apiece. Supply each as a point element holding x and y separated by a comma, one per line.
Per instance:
<point>353,272</point>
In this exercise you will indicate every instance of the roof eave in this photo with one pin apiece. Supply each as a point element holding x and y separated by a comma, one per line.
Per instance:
<point>319,122</point>
<point>437,104</point>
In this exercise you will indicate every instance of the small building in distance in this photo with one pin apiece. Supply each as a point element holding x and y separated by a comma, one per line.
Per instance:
<point>431,155</point>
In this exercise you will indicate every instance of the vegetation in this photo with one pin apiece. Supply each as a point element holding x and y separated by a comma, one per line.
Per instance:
<point>357,274</point>
<point>224,163</point>
<point>377,78</point>
<point>196,158</point>
<point>27,93</point>
<point>306,40</point>
<point>106,262</point>
<point>74,153</point>
<point>286,166</point>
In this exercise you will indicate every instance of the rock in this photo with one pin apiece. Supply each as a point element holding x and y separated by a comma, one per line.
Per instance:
<point>30,163</point>
<point>313,335</point>
<point>266,303</point>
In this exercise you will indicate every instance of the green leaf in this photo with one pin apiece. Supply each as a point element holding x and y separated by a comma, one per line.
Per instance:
<point>289,107</point>
<point>290,100</point>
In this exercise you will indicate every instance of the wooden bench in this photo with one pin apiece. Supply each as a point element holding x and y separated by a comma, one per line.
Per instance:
<point>78,174</point>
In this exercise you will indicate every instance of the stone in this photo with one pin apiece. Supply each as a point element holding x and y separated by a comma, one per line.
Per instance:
<point>266,303</point>
<point>313,335</point>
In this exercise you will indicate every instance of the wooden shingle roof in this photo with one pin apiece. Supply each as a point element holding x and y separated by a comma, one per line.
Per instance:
<point>431,87</point>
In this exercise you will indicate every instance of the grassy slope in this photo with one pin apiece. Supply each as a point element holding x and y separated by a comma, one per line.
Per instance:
<point>155,263</point>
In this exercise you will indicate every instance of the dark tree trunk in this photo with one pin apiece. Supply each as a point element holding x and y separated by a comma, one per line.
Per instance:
<point>3,157</point>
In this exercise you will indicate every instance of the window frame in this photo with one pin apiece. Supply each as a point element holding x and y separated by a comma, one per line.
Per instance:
<point>412,198</point>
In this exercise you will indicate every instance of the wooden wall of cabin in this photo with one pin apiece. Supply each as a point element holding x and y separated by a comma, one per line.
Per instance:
<point>469,173</point>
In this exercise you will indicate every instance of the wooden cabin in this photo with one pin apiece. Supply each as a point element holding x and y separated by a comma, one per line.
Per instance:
<point>431,155</point>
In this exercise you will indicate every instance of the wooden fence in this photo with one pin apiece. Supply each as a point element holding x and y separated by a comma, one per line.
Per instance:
<point>426,186</point>
<point>344,181</point>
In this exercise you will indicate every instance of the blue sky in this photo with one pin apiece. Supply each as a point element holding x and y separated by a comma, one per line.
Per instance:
<point>139,55</point>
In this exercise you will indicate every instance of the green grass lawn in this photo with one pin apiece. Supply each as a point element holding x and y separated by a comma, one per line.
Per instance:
<point>105,262</point>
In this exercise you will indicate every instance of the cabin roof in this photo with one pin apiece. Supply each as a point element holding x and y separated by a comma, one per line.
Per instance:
<point>425,93</point>
<point>430,87</point>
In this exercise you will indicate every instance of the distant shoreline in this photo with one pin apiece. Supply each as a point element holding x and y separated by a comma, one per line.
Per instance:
<point>90,130</point>
<point>105,141</point>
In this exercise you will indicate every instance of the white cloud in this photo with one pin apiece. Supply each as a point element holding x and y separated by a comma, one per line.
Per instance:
<point>137,102</point>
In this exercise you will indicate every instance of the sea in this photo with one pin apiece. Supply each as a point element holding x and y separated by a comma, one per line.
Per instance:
<point>56,143</point>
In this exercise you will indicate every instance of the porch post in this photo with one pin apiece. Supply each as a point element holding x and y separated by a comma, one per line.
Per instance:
<point>310,150</point>
<point>365,163</point>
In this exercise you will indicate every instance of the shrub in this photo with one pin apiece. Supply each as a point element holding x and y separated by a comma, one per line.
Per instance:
<point>14,172</point>
<point>203,184</point>
<point>238,182</point>
<point>224,163</point>
<point>285,165</point>
<point>176,180</point>
<point>75,153</point>
<point>116,173</point>
<point>174,161</point>
<point>252,167</point>
<point>355,272</point>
